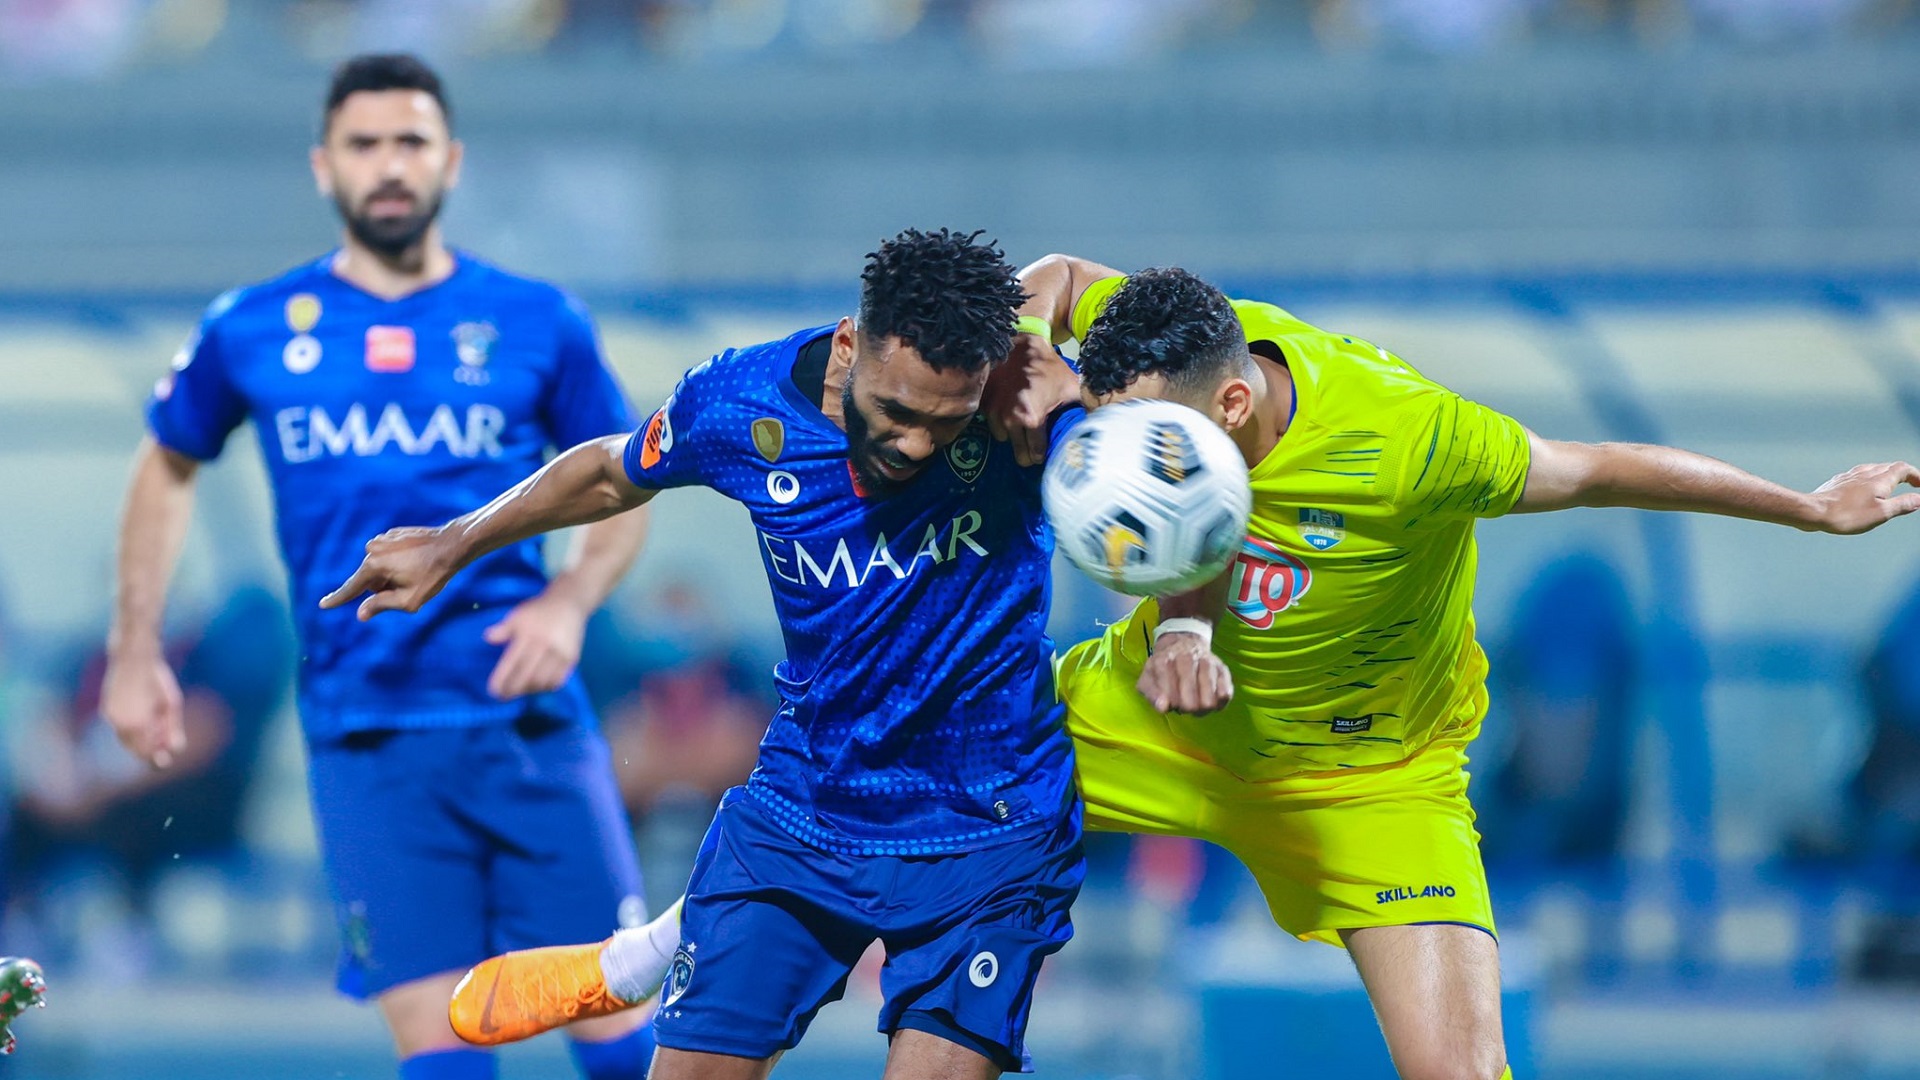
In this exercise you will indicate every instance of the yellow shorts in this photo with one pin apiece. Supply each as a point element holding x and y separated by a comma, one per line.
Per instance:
<point>1384,845</point>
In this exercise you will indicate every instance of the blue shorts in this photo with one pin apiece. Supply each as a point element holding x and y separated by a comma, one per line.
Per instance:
<point>772,927</point>
<point>446,846</point>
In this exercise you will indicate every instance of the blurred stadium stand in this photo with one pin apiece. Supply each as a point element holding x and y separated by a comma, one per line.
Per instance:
<point>1657,219</point>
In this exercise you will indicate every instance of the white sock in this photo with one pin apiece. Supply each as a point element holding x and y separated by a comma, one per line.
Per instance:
<point>635,962</point>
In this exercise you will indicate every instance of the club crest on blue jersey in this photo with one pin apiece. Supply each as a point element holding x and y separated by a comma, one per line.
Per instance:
<point>1322,528</point>
<point>472,344</point>
<point>968,454</point>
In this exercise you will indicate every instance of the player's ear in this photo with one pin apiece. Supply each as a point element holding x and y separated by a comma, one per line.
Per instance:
<point>846,340</point>
<point>322,176</point>
<point>1233,403</point>
<point>456,153</point>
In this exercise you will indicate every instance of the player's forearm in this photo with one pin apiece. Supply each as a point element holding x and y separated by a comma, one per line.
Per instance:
<point>153,528</point>
<point>1054,284</point>
<point>1657,478</point>
<point>599,558</point>
<point>1206,603</point>
<point>586,484</point>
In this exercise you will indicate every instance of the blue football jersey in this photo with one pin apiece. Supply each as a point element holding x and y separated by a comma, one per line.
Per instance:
<point>917,707</point>
<point>376,413</point>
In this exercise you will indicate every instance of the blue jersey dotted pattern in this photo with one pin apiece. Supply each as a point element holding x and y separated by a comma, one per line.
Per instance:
<point>376,413</point>
<point>917,708</point>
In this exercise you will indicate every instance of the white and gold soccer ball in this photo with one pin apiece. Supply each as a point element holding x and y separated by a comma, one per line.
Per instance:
<point>1148,497</point>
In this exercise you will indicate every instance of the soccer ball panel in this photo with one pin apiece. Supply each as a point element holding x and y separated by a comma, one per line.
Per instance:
<point>1148,497</point>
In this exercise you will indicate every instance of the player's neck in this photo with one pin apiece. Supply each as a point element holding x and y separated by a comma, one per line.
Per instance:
<point>1272,411</point>
<point>391,277</point>
<point>838,371</point>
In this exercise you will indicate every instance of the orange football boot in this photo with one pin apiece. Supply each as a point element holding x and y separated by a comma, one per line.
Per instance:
<point>521,994</point>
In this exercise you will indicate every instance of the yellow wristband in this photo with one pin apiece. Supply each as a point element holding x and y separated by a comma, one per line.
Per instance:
<point>1034,324</point>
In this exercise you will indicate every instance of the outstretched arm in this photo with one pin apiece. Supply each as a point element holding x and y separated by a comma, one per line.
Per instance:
<point>1567,474</point>
<point>405,568</point>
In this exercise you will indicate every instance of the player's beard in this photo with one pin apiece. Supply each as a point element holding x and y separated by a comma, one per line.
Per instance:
<point>390,237</point>
<point>862,451</point>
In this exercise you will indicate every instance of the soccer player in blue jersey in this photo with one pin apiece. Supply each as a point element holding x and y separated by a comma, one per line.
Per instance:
<point>914,786</point>
<point>464,796</point>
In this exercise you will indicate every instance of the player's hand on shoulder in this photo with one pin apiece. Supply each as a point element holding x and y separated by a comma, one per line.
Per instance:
<point>543,636</point>
<point>404,569</point>
<point>1867,496</point>
<point>1183,675</point>
<point>140,699</point>
<point>1023,393</point>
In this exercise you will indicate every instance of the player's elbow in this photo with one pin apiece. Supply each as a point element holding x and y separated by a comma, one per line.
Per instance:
<point>1562,475</point>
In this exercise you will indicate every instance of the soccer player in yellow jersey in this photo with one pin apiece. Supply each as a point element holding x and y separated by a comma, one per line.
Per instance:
<point>1310,710</point>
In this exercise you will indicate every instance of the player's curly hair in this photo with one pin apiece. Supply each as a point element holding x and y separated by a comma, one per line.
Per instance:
<point>950,295</point>
<point>374,72</point>
<point>1168,321</point>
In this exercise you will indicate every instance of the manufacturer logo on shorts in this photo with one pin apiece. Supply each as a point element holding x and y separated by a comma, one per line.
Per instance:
<point>983,969</point>
<point>1412,892</point>
<point>678,976</point>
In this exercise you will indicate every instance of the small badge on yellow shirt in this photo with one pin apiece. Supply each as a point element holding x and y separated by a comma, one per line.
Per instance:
<point>1322,528</point>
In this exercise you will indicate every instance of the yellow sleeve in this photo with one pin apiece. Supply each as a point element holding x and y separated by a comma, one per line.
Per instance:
<point>1092,302</point>
<point>1450,458</point>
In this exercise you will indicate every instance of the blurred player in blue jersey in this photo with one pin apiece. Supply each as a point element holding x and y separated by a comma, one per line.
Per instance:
<point>915,786</point>
<point>464,796</point>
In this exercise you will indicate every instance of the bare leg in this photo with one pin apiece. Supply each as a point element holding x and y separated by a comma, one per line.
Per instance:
<point>416,1013</point>
<point>608,1028</point>
<point>669,1064</point>
<point>1436,992</point>
<point>917,1055</point>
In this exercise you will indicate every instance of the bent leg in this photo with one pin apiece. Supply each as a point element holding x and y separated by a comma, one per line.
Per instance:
<point>671,1064</point>
<point>918,1055</point>
<point>1436,992</point>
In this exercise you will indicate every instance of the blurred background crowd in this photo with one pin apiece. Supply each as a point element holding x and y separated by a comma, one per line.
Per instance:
<point>95,38</point>
<point>1690,221</point>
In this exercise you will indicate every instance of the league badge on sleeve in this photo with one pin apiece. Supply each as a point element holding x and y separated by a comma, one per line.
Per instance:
<point>658,437</point>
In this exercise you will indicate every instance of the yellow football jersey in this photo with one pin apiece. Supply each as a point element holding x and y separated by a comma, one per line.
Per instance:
<point>1349,628</point>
